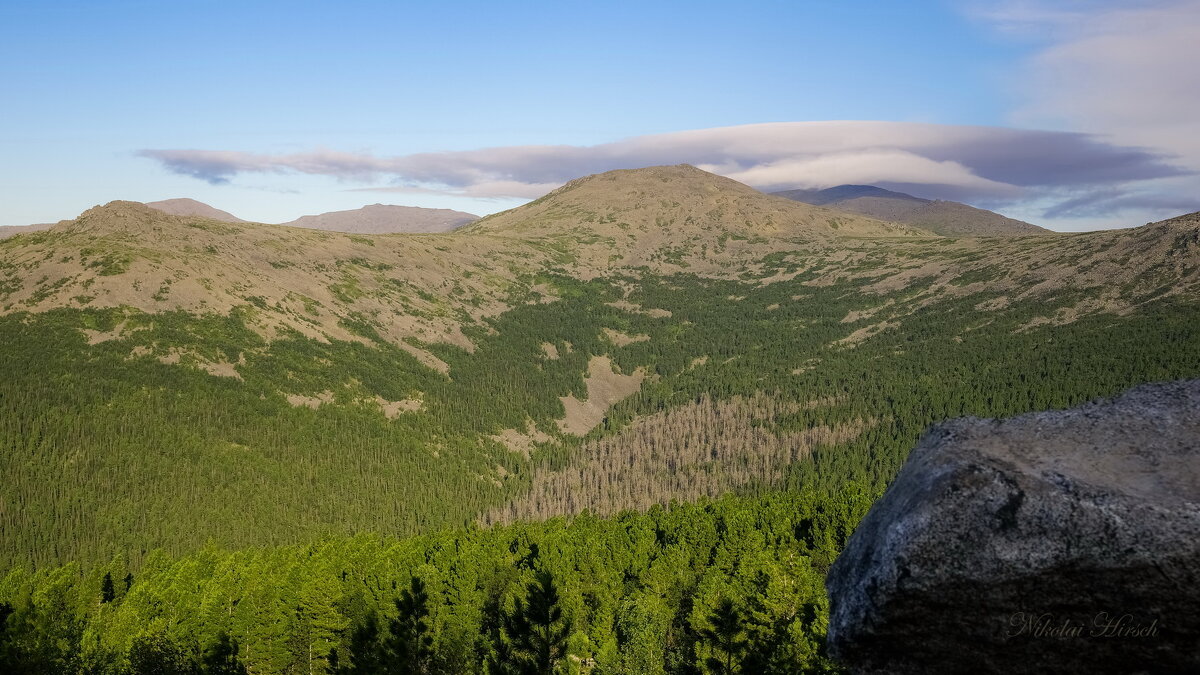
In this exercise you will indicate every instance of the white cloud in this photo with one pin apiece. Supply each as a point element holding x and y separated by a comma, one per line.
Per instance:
<point>1129,72</point>
<point>1121,70</point>
<point>1117,77</point>
<point>953,162</point>
<point>863,167</point>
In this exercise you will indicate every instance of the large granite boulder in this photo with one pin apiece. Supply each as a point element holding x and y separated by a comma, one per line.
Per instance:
<point>1055,542</point>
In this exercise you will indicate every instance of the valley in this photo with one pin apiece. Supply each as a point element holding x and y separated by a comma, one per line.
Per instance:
<point>633,358</point>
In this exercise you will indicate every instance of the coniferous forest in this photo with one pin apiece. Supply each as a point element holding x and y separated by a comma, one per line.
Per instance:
<point>647,470</point>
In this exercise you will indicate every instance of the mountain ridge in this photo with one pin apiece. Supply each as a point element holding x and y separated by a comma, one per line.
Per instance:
<point>821,197</point>
<point>408,383</point>
<point>386,219</point>
<point>185,206</point>
<point>712,191</point>
<point>370,219</point>
<point>945,218</point>
<point>676,217</point>
<point>12,230</point>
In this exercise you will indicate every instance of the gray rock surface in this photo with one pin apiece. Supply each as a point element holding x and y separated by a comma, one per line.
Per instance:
<point>1055,542</point>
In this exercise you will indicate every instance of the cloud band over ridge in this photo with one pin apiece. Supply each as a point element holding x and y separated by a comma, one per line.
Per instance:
<point>973,163</point>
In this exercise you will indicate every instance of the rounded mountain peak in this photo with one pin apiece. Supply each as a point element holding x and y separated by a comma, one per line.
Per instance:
<point>680,200</point>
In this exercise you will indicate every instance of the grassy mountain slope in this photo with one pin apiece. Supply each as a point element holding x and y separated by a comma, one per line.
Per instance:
<point>674,218</point>
<point>954,219</point>
<point>318,284</point>
<point>951,219</point>
<point>264,384</point>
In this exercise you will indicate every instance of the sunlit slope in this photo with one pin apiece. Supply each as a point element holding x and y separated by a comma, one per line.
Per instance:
<point>280,279</point>
<point>171,380</point>
<point>676,217</point>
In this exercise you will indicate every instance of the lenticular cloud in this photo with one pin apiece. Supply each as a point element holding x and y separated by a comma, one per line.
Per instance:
<point>952,161</point>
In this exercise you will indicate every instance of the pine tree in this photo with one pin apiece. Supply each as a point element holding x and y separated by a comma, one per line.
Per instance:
<point>221,657</point>
<point>726,638</point>
<point>365,649</point>
<point>157,654</point>
<point>107,591</point>
<point>536,630</point>
<point>410,645</point>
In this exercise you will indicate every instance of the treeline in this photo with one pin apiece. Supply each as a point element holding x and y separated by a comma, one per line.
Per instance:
<point>108,450</point>
<point>780,402</point>
<point>729,586</point>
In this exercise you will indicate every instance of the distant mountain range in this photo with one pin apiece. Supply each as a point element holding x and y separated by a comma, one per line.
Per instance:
<point>951,219</point>
<point>10,230</point>
<point>385,219</point>
<point>373,219</point>
<point>944,218</point>
<point>191,207</point>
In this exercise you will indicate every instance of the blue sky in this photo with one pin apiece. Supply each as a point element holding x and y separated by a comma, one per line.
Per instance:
<point>305,107</point>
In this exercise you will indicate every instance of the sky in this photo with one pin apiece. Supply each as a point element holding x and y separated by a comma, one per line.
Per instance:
<point>1070,114</point>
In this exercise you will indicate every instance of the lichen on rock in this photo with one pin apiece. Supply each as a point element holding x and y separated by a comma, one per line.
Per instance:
<point>1064,541</point>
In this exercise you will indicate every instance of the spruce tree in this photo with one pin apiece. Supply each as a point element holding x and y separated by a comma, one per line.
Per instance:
<point>726,638</point>
<point>536,630</point>
<point>410,646</point>
<point>221,657</point>
<point>366,652</point>
<point>157,654</point>
<point>107,591</point>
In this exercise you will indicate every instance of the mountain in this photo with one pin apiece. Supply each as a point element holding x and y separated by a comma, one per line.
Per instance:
<point>844,193</point>
<point>385,219</point>
<point>126,255</point>
<point>624,304</point>
<point>374,219</point>
<point>676,216</point>
<point>951,219</point>
<point>190,207</point>
<point>666,203</point>
<point>274,433</point>
<point>10,230</point>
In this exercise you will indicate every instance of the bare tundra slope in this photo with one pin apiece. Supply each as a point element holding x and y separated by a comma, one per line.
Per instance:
<point>274,382</point>
<point>674,218</point>
<point>660,220</point>
<point>126,254</point>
